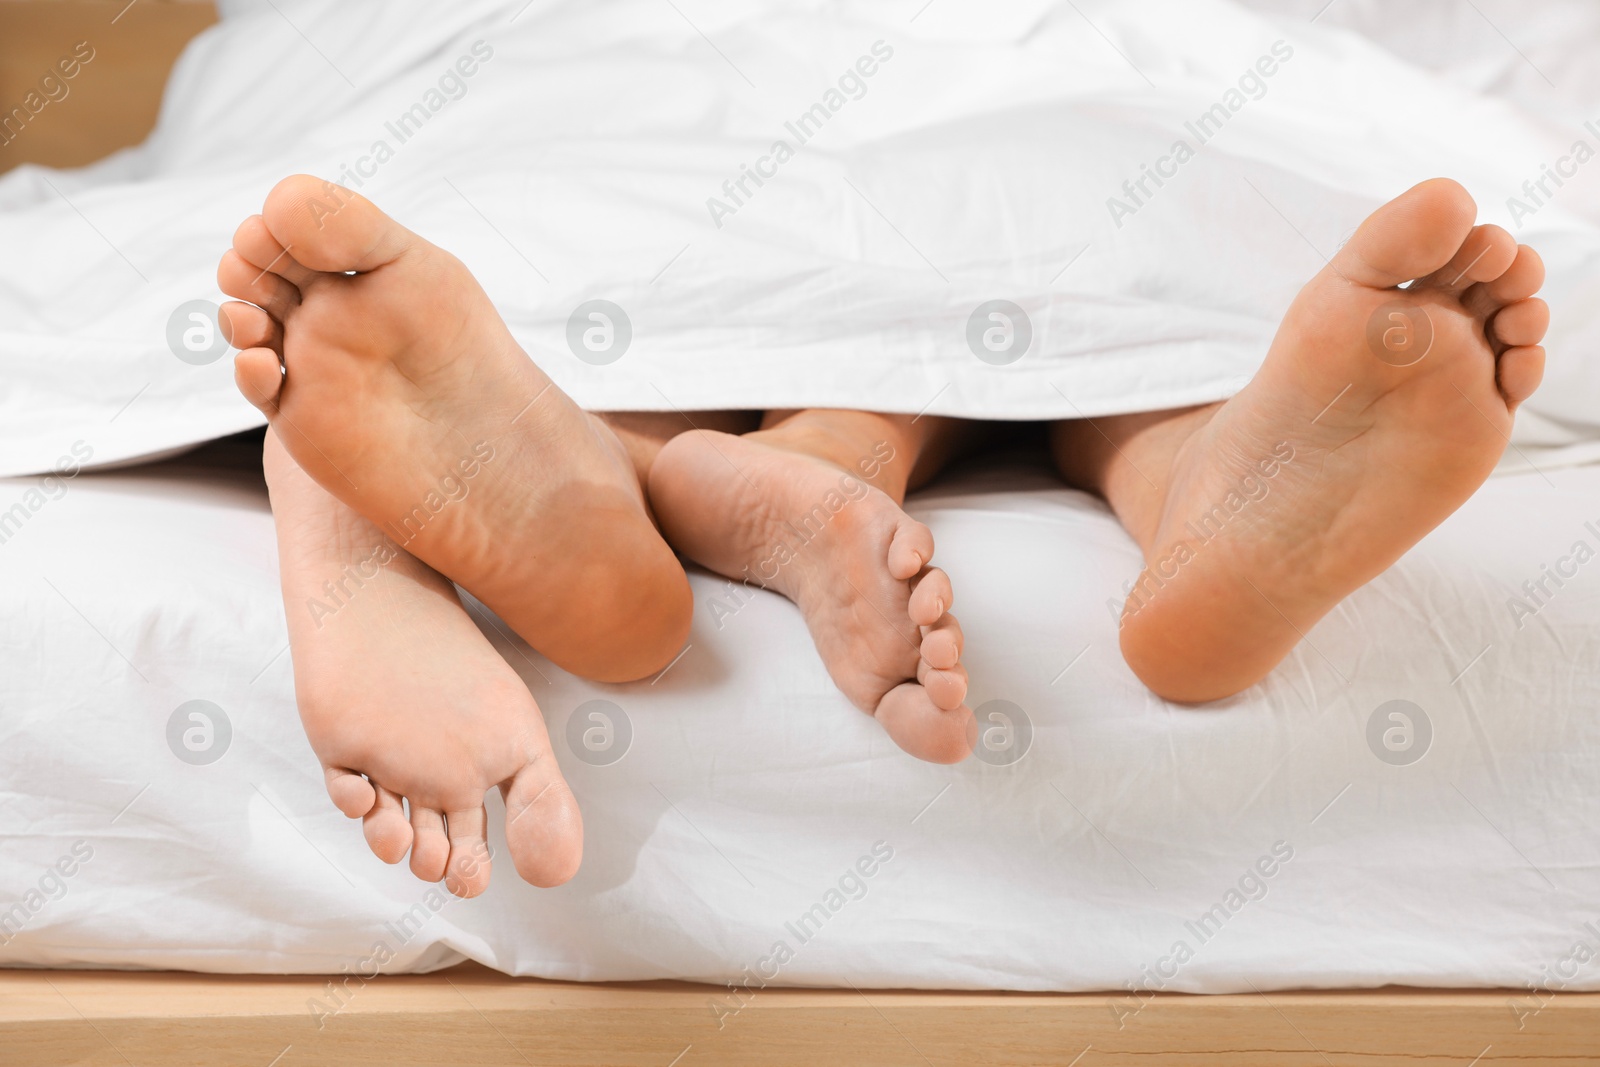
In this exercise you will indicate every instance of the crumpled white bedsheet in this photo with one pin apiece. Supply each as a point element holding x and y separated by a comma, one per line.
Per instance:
<point>977,163</point>
<point>751,790</point>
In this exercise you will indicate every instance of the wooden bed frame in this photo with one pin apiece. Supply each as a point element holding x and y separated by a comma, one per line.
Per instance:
<point>472,1015</point>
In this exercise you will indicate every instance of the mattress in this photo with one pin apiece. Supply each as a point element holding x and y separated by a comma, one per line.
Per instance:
<point>1410,797</point>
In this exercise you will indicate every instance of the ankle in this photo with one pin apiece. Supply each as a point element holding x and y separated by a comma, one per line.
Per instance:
<point>643,434</point>
<point>1127,461</point>
<point>870,447</point>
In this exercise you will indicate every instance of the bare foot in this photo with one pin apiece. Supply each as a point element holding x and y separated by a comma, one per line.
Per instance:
<point>857,566</point>
<point>1377,413</point>
<point>396,683</point>
<point>404,395</point>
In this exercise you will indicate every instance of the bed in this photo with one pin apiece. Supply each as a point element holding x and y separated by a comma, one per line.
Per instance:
<point>1283,837</point>
<point>1384,851</point>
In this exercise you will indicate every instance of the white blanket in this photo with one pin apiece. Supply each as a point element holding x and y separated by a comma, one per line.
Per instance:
<point>920,165</point>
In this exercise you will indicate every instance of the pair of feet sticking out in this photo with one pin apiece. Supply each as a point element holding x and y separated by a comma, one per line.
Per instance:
<point>403,413</point>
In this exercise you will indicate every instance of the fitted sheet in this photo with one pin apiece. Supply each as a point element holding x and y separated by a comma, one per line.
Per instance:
<point>751,794</point>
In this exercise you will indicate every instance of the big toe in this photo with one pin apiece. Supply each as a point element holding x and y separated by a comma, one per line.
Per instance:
<point>544,829</point>
<point>329,228</point>
<point>921,728</point>
<point>1410,237</point>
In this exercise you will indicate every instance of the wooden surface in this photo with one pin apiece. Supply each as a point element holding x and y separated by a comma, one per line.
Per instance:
<point>470,1015</point>
<point>113,100</point>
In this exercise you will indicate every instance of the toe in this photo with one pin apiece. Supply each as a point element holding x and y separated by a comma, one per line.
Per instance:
<point>387,831</point>
<point>257,247</point>
<point>910,549</point>
<point>1486,253</point>
<point>923,729</point>
<point>259,376</point>
<point>1522,323</point>
<point>1520,372</point>
<point>467,873</point>
<point>247,326</point>
<point>258,368</point>
<point>1518,282</point>
<point>430,846</point>
<point>262,288</point>
<point>1410,237</point>
<point>544,829</point>
<point>941,645</point>
<point>946,688</point>
<point>331,228</point>
<point>350,793</point>
<point>931,598</point>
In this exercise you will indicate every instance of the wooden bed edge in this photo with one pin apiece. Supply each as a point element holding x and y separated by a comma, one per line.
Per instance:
<point>471,1015</point>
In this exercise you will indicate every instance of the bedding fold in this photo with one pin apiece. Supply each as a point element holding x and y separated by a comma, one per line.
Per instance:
<point>790,204</point>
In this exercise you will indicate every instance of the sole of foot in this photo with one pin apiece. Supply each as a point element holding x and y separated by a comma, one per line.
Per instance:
<point>855,564</point>
<point>389,377</point>
<point>1385,400</point>
<point>412,713</point>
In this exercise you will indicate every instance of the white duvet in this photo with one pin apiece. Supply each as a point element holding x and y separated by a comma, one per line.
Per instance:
<point>921,164</point>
